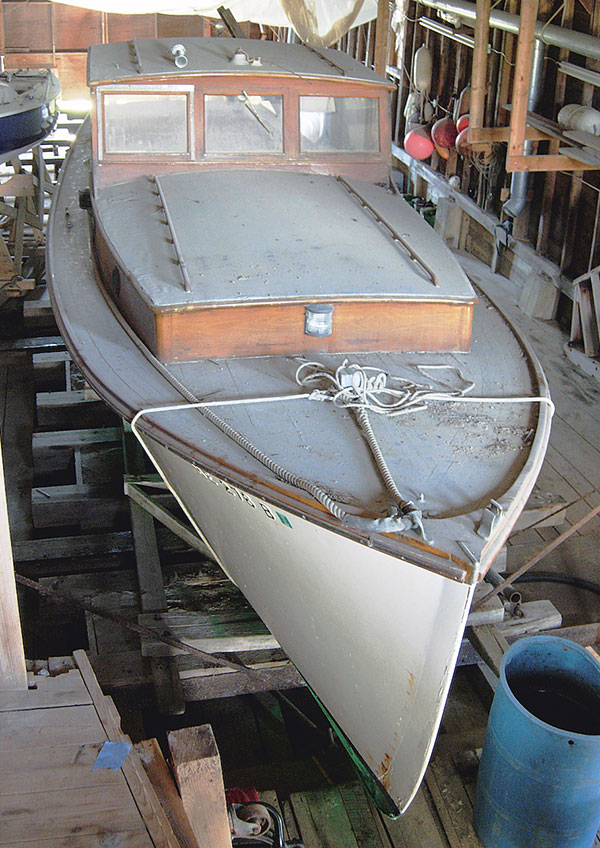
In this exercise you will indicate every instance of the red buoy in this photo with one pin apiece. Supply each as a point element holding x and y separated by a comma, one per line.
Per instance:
<point>444,133</point>
<point>462,123</point>
<point>418,143</point>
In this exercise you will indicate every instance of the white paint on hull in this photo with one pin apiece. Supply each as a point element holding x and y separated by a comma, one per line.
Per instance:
<point>376,637</point>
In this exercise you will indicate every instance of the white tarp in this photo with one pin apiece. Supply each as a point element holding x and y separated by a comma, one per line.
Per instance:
<point>320,22</point>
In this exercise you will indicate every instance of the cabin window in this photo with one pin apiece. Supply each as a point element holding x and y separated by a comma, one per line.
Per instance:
<point>243,123</point>
<point>146,123</point>
<point>339,125</point>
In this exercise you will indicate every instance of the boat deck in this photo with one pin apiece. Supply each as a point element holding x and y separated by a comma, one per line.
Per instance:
<point>430,452</point>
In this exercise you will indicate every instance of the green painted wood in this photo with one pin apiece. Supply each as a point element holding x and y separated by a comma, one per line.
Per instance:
<point>363,818</point>
<point>323,820</point>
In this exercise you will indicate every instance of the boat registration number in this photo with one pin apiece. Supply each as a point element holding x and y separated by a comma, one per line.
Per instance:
<point>271,513</point>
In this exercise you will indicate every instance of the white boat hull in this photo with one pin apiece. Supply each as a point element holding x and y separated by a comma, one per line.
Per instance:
<point>375,636</point>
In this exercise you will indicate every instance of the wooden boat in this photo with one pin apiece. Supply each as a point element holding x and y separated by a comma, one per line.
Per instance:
<point>27,109</point>
<point>350,429</point>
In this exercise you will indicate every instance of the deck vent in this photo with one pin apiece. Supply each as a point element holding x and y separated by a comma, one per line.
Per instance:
<point>318,319</point>
<point>179,57</point>
<point>240,57</point>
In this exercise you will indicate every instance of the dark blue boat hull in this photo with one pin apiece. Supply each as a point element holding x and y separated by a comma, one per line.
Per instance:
<point>25,128</point>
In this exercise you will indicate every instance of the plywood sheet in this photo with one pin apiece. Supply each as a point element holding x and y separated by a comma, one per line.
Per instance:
<point>99,811</point>
<point>65,690</point>
<point>60,726</point>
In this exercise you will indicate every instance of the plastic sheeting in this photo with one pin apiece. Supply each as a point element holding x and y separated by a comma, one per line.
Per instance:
<point>318,22</point>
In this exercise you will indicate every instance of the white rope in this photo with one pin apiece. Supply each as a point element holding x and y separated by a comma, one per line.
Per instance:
<point>362,389</point>
<point>353,386</point>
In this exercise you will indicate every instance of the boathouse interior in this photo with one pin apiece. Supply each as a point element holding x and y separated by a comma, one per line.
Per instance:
<point>110,608</point>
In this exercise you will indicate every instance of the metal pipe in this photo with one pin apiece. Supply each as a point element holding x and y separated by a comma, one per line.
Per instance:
<point>576,42</point>
<point>519,183</point>
<point>512,595</point>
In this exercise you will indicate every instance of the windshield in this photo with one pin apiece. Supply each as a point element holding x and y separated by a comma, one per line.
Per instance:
<point>339,125</point>
<point>243,123</point>
<point>146,122</point>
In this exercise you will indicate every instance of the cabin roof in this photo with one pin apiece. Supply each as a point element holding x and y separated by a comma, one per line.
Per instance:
<point>132,60</point>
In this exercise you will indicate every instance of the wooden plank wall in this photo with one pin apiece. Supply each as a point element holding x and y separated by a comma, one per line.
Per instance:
<point>562,214</point>
<point>38,33</point>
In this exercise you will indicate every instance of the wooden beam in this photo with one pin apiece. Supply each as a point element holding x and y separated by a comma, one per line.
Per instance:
<point>167,685</point>
<point>165,517</point>
<point>382,36</point>
<point>479,73</point>
<point>503,133</point>
<point>197,769</point>
<point>13,671</point>
<point>161,779</point>
<point>522,78</point>
<point>547,162</point>
<point>489,643</point>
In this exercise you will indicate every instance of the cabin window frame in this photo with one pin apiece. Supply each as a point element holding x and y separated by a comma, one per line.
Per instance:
<point>318,155</point>
<point>156,89</point>
<point>243,155</point>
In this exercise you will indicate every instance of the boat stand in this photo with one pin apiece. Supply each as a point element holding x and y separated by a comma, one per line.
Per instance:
<point>242,634</point>
<point>27,191</point>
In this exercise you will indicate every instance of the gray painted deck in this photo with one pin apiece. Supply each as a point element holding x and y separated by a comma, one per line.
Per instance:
<point>571,469</point>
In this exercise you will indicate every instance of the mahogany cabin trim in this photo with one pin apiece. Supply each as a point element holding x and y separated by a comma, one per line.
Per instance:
<point>359,326</point>
<point>115,167</point>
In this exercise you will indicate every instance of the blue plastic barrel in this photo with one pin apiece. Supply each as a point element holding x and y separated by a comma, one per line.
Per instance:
<point>539,778</point>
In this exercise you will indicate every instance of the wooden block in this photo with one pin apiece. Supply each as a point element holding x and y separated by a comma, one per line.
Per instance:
<point>492,612</point>
<point>197,768</point>
<point>162,780</point>
<point>536,616</point>
<point>539,298</point>
<point>489,643</point>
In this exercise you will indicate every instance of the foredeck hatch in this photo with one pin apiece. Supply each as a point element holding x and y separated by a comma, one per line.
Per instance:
<point>271,236</point>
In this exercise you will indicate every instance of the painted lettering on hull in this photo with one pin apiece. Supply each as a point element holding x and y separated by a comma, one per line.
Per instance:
<point>254,503</point>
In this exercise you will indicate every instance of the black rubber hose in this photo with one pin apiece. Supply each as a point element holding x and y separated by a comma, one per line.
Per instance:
<point>557,577</point>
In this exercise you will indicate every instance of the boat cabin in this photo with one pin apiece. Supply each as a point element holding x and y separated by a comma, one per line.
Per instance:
<point>239,189</point>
